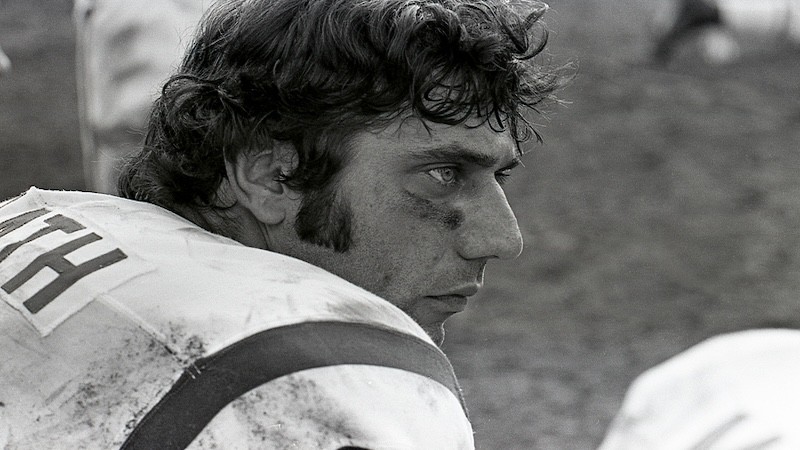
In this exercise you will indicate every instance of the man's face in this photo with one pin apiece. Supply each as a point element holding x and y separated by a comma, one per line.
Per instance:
<point>428,212</point>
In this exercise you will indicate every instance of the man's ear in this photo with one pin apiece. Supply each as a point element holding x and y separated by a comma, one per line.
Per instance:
<point>254,181</point>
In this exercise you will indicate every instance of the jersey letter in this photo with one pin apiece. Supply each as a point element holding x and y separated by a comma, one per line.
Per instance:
<point>68,273</point>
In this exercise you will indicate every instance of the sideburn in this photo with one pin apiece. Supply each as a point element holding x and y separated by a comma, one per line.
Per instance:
<point>325,219</point>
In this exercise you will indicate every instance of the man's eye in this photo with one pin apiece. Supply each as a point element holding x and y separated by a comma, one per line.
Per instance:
<point>502,176</point>
<point>447,176</point>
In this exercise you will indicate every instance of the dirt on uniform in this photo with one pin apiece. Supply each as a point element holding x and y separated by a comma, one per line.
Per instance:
<point>662,209</point>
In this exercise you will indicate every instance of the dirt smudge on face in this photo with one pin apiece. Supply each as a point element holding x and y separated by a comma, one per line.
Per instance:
<point>449,217</point>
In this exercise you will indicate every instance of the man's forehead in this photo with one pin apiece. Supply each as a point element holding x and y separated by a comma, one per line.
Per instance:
<point>477,156</point>
<point>484,143</point>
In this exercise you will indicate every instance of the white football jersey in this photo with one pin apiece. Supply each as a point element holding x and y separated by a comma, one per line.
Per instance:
<point>123,325</point>
<point>733,392</point>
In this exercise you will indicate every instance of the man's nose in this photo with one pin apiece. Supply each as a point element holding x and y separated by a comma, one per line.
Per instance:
<point>492,230</point>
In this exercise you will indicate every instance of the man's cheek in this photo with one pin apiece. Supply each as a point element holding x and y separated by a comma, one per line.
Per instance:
<point>442,214</point>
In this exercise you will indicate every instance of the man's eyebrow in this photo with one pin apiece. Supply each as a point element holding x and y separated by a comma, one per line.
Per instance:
<point>458,153</point>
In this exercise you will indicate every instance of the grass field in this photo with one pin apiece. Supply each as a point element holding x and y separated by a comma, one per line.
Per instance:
<point>661,210</point>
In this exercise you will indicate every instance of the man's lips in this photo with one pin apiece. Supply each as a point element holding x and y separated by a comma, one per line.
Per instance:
<point>448,303</point>
<point>454,300</point>
<point>465,290</point>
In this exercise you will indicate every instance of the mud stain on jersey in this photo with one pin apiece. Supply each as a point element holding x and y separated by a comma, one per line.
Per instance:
<point>292,412</point>
<point>185,346</point>
<point>358,310</point>
<point>103,405</point>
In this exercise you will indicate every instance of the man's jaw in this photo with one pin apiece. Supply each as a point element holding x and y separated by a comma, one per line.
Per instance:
<point>433,310</point>
<point>436,333</point>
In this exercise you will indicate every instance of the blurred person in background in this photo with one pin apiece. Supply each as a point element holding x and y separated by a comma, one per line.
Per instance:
<point>126,50</point>
<point>5,63</point>
<point>733,392</point>
<point>716,29</point>
<point>319,190</point>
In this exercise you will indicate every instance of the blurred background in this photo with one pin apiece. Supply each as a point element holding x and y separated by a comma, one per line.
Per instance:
<point>661,209</point>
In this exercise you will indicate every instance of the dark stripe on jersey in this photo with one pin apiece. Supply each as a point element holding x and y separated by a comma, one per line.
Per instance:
<point>211,383</point>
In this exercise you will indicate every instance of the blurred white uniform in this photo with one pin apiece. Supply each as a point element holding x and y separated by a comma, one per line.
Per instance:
<point>763,17</point>
<point>126,51</point>
<point>5,63</point>
<point>736,391</point>
<point>717,29</point>
<point>122,324</point>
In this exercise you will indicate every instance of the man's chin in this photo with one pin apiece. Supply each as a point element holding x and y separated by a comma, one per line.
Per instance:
<point>436,332</point>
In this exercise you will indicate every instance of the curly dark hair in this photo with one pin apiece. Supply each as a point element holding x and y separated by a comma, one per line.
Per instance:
<point>313,72</point>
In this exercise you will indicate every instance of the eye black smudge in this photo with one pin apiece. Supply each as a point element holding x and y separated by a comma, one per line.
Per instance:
<point>449,217</point>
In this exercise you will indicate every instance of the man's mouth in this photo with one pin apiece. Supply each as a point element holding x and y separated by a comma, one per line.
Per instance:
<point>449,303</point>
